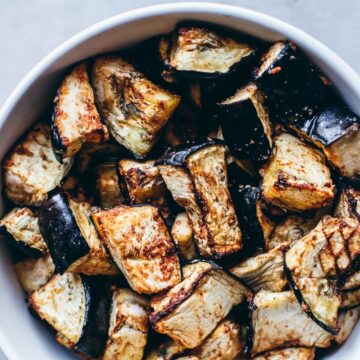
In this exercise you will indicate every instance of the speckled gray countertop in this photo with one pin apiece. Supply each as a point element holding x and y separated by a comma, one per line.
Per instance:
<point>29,29</point>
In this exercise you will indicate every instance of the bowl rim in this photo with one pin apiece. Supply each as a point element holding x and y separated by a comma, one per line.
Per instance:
<point>307,42</point>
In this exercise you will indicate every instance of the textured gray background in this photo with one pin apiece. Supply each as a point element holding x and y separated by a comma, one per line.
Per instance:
<point>29,29</point>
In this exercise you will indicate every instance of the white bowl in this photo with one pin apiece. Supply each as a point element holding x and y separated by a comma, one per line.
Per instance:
<point>21,336</point>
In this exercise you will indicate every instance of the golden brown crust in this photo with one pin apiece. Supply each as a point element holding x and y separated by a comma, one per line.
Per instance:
<point>140,244</point>
<point>76,118</point>
<point>119,86</point>
<point>296,177</point>
<point>31,169</point>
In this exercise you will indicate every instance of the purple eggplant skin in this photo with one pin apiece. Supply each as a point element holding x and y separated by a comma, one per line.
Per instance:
<point>23,248</point>
<point>94,333</point>
<point>57,145</point>
<point>328,125</point>
<point>293,86</point>
<point>245,199</point>
<point>177,155</point>
<point>303,303</point>
<point>60,231</point>
<point>243,131</point>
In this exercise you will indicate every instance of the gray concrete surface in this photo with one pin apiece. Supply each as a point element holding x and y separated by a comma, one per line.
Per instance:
<point>29,29</point>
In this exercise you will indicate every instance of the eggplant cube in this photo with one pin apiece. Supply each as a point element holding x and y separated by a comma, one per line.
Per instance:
<point>335,130</point>
<point>143,182</point>
<point>197,179</point>
<point>108,186</point>
<point>76,120</point>
<point>348,207</point>
<point>347,321</point>
<point>166,351</point>
<point>141,246</point>
<point>223,343</point>
<point>133,108</point>
<point>72,238</point>
<point>33,155</point>
<point>34,273</point>
<point>182,234</point>
<point>277,319</point>
<point>264,271</point>
<point>200,52</point>
<point>326,254</point>
<point>246,125</point>
<point>20,226</point>
<point>177,312</point>
<point>77,308</point>
<point>128,326</point>
<point>296,177</point>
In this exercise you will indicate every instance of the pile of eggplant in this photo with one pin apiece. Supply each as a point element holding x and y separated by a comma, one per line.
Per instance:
<point>193,197</point>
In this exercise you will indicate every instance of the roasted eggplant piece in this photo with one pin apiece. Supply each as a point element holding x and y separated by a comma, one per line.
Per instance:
<point>76,307</point>
<point>33,156</point>
<point>348,206</point>
<point>128,326</point>
<point>177,312</point>
<point>255,224</point>
<point>264,271</point>
<point>34,273</point>
<point>296,177</point>
<point>20,227</point>
<point>77,190</point>
<point>72,238</point>
<point>335,129</point>
<point>277,320</point>
<point>133,108</point>
<point>350,299</point>
<point>246,125</point>
<point>143,182</point>
<point>290,230</point>
<point>182,234</point>
<point>292,84</point>
<point>167,351</point>
<point>295,353</point>
<point>194,52</point>
<point>316,261</point>
<point>224,343</point>
<point>75,119</point>
<point>347,321</point>
<point>197,179</point>
<point>108,185</point>
<point>141,246</point>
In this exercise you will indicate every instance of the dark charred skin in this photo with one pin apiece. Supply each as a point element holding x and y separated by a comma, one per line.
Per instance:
<point>243,131</point>
<point>293,85</point>
<point>250,329</point>
<point>96,323</point>
<point>304,305</point>
<point>245,199</point>
<point>24,248</point>
<point>177,155</point>
<point>61,233</point>
<point>57,145</point>
<point>329,125</point>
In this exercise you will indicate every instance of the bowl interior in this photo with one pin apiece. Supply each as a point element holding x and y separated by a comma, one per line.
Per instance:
<point>20,333</point>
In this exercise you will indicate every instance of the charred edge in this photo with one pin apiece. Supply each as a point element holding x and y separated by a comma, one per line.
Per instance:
<point>174,303</point>
<point>353,203</point>
<point>250,329</point>
<point>177,155</point>
<point>94,332</point>
<point>57,145</point>
<point>24,248</point>
<point>122,184</point>
<point>354,267</point>
<point>64,249</point>
<point>303,303</point>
